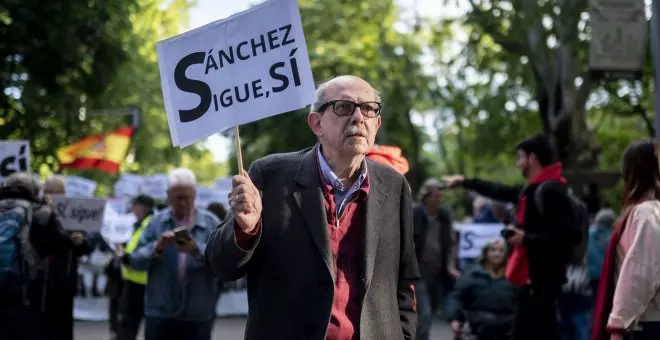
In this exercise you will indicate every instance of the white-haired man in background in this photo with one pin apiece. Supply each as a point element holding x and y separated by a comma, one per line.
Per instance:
<point>179,294</point>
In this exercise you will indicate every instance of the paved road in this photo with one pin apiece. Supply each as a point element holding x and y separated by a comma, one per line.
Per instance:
<point>225,329</point>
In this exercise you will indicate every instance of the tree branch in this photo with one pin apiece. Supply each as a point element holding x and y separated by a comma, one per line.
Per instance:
<point>489,26</point>
<point>584,91</point>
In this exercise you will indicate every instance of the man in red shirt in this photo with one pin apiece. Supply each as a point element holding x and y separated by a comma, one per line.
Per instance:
<point>542,238</point>
<point>325,235</point>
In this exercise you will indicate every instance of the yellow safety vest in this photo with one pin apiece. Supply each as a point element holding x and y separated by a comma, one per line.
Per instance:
<point>128,273</point>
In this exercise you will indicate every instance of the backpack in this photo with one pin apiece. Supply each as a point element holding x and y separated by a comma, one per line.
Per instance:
<point>581,214</point>
<point>577,278</point>
<point>20,264</point>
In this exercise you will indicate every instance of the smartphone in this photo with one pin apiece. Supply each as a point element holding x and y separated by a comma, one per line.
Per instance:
<point>181,234</point>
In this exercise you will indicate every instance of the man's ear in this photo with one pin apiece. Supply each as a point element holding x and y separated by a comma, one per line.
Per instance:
<point>314,121</point>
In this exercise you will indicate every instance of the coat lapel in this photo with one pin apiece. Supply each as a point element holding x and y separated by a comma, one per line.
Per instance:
<point>374,218</point>
<point>309,198</point>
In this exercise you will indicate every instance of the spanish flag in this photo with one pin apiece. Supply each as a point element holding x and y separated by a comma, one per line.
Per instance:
<point>104,151</point>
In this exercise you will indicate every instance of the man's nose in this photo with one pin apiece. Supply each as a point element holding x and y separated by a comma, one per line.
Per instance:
<point>358,117</point>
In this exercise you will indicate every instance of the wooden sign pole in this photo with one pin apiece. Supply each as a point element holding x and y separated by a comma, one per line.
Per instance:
<point>239,153</point>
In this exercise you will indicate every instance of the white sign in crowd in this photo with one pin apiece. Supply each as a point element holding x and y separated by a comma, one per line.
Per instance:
<point>234,71</point>
<point>75,186</point>
<point>80,214</point>
<point>474,236</point>
<point>14,157</point>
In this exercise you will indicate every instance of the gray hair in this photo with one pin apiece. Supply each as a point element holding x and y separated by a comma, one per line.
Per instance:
<point>324,87</point>
<point>24,180</point>
<point>55,184</point>
<point>426,187</point>
<point>181,176</point>
<point>605,217</point>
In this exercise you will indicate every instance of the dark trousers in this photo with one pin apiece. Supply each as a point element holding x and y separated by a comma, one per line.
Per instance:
<point>536,316</point>
<point>132,310</point>
<point>61,315</point>
<point>649,331</point>
<point>113,312</point>
<point>22,323</point>
<point>173,329</point>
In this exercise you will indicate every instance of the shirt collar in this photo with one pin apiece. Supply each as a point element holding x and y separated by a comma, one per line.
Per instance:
<point>190,221</point>
<point>329,176</point>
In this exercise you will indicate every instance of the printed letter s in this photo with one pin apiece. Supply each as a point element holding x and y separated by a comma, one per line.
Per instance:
<point>192,86</point>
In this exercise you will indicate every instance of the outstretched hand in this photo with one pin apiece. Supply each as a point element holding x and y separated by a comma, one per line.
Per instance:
<point>453,181</point>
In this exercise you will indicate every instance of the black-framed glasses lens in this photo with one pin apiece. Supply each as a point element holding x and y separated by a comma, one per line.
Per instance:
<point>346,108</point>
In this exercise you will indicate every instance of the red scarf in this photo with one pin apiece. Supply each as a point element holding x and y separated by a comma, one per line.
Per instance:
<point>607,285</point>
<point>517,268</point>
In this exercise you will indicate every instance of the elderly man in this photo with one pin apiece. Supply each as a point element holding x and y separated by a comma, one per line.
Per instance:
<point>180,291</point>
<point>328,245</point>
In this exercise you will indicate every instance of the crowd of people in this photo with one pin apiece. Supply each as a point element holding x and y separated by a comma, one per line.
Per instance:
<point>334,246</point>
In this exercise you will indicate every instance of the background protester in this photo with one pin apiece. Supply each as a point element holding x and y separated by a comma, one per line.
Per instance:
<point>435,247</point>
<point>218,210</point>
<point>28,304</point>
<point>135,281</point>
<point>483,297</point>
<point>179,285</point>
<point>64,272</point>
<point>542,242</point>
<point>599,236</point>
<point>628,301</point>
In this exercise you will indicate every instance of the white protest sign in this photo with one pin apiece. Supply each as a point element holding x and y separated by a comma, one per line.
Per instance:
<point>81,214</point>
<point>14,157</point>
<point>249,66</point>
<point>118,228</point>
<point>155,186</point>
<point>128,185</point>
<point>75,186</point>
<point>223,184</point>
<point>206,196</point>
<point>475,236</point>
<point>120,205</point>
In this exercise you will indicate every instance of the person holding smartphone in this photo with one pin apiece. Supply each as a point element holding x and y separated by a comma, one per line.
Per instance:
<point>171,248</point>
<point>542,237</point>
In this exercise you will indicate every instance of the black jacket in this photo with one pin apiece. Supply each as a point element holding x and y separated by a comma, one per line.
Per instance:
<point>290,267</point>
<point>548,239</point>
<point>420,222</point>
<point>482,301</point>
<point>46,236</point>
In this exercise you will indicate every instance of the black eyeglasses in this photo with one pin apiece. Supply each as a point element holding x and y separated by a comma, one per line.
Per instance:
<point>346,108</point>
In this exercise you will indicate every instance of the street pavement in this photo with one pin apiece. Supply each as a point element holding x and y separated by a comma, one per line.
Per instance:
<point>224,329</point>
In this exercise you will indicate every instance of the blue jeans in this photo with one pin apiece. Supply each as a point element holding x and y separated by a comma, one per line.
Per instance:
<point>424,311</point>
<point>575,326</point>
<point>430,295</point>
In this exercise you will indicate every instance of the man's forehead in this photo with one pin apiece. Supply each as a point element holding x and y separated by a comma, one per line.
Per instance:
<point>351,90</point>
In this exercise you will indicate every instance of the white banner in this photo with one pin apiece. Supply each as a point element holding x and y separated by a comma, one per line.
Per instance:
<point>234,71</point>
<point>475,236</point>
<point>128,185</point>
<point>75,186</point>
<point>81,214</point>
<point>206,196</point>
<point>120,205</point>
<point>155,186</point>
<point>118,228</point>
<point>14,157</point>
